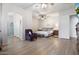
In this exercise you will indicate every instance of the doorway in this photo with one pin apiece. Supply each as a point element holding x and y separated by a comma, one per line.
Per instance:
<point>14,25</point>
<point>10,26</point>
<point>73,22</point>
<point>18,26</point>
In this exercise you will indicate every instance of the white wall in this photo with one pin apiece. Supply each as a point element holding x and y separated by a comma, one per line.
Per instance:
<point>51,21</point>
<point>64,24</point>
<point>64,27</point>
<point>27,22</point>
<point>0,10</point>
<point>0,14</point>
<point>4,24</point>
<point>0,22</point>
<point>73,22</point>
<point>35,24</point>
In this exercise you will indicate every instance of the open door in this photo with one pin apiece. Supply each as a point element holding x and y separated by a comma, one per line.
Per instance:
<point>0,27</point>
<point>73,22</point>
<point>0,38</point>
<point>18,26</point>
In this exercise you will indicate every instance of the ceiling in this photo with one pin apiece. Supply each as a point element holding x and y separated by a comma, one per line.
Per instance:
<point>56,7</point>
<point>23,5</point>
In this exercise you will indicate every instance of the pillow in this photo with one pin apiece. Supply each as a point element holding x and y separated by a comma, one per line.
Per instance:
<point>47,29</point>
<point>39,29</point>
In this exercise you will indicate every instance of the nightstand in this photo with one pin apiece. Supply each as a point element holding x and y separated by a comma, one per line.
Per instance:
<point>55,33</point>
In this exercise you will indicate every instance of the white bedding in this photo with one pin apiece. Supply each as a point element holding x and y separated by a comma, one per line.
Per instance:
<point>45,33</point>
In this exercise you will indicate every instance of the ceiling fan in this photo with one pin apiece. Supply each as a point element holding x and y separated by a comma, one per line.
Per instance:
<point>42,15</point>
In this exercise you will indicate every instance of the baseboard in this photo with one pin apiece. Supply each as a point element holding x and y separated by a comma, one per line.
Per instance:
<point>69,38</point>
<point>18,38</point>
<point>64,38</point>
<point>73,37</point>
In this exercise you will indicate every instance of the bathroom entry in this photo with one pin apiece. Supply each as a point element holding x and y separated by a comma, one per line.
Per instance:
<point>14,25</point>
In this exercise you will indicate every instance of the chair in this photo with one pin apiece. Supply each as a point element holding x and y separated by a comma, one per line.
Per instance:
<point>29,35</point>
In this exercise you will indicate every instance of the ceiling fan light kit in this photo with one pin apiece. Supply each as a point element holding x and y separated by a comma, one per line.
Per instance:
<point>41,8</point>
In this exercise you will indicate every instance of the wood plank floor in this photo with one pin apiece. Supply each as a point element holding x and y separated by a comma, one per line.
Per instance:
<point>42,46</point>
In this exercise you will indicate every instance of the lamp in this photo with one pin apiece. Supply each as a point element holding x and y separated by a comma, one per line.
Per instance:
<point>41,9</point>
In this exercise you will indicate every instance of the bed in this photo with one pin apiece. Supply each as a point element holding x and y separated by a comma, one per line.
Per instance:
<point>45,32</point>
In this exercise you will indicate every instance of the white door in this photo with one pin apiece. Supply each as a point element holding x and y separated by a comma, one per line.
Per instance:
<point>0,24</point>
<point>73,22</point>
<point>18,26</point>
<point>0,34</point>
